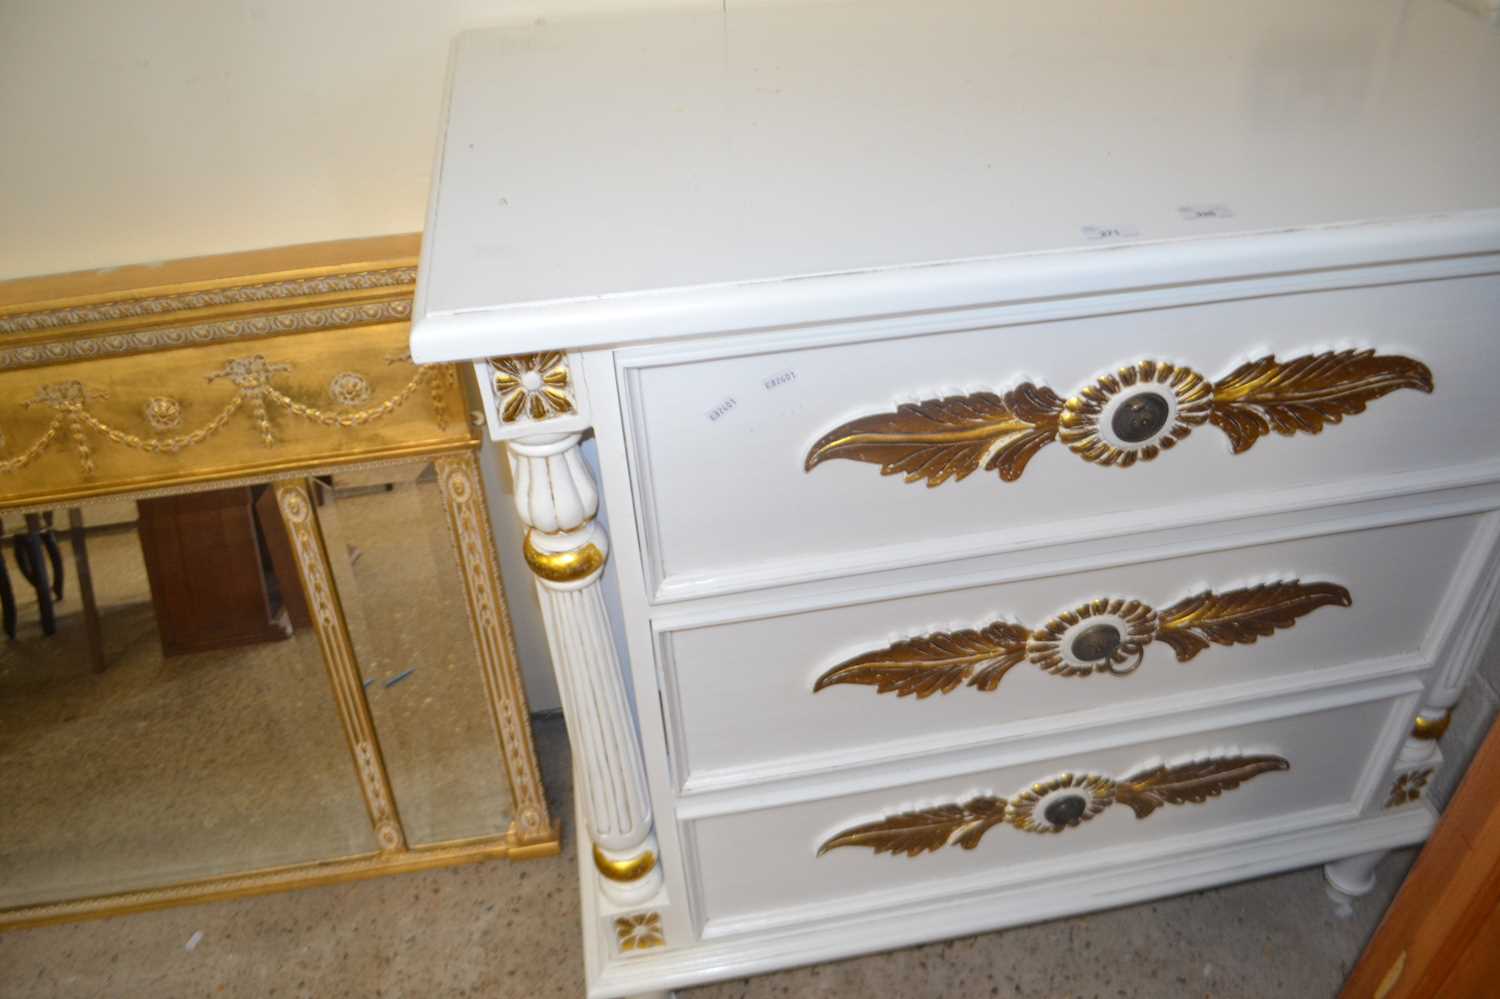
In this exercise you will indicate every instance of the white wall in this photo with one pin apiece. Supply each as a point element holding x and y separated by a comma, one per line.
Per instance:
<point>139,130</point>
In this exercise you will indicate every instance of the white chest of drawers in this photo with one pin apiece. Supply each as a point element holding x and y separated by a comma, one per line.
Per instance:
<point>1050,453</point>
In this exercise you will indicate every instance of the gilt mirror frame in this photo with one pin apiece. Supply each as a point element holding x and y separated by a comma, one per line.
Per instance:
<point>272,366</point>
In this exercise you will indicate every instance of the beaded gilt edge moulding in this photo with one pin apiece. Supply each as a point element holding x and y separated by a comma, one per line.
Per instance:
<point>1132,415</point>
<point>267,366</point>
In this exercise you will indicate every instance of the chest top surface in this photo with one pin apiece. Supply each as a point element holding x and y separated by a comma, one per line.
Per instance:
<point>621,178</point>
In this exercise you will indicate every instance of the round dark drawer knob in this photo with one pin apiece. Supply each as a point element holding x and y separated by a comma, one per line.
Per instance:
<point>1066,810</point>
<point>1141,417</point>
<point>1096,643</point>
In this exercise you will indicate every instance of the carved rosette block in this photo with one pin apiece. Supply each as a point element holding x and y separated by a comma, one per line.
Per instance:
<point>566,549</point>
<point>532,386</point>
<point>637,932</point>
<point>1409,786</point>
<point>529,394</point>
<point>1420,758</point>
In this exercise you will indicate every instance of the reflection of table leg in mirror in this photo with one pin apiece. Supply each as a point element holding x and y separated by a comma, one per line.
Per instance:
<point>30,548</point>
<point>86,588</point>
<point>54,554</point>
<point>209,583</point>
<point>7,595</point>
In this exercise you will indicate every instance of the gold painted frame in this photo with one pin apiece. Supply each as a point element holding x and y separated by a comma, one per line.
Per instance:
<point>103,368</point>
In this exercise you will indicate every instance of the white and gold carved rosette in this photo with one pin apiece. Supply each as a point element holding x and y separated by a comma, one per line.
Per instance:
<point>638,932</point>
<point>1409,786</point>
<point>532,386</point>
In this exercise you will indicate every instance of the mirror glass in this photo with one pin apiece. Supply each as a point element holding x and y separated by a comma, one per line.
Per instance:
<point>399,581</point>
<point>163,717</point>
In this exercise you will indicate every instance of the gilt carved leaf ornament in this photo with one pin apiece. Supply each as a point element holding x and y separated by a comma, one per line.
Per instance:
<point>925,830</point>
<point>1133,414</point>
<point>1107,635</point>
<point>949,438</point>
<point>1055,805</point>
<point>936,663</point>
<point>1302,395</point>
<point>1191,783</point>
<point>1239,617</point>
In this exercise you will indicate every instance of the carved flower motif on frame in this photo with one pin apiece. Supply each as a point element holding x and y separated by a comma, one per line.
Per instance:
<point>249,372</point>
<point>532,385</point>
<point>163,413</point>
<point>349,388</point>
<point>639,932</point>
<point>64,395</point>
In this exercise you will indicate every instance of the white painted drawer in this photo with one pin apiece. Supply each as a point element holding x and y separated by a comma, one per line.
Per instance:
<point>1334,749</point>
<point>741,694</point>
<point>722,434</point>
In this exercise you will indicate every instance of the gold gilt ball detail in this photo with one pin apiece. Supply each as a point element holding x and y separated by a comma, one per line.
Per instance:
<point>1135,414</point>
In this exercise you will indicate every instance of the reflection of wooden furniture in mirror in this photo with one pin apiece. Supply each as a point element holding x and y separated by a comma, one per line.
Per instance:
<point>249,686</point>
<point>204,560</point>
<point>39,562</point>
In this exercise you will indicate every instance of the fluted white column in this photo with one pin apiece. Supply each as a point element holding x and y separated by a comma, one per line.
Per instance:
<point>566,550</point>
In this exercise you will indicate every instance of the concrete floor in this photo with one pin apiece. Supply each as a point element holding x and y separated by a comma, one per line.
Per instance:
<point>503,930</point>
